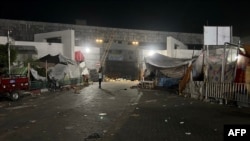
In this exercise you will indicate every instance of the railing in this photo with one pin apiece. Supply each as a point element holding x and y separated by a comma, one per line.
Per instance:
<point>227,91</point>
<point>239,92</point>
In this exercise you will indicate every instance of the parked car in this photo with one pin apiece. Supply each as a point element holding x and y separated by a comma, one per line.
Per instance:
<point>13,86</point>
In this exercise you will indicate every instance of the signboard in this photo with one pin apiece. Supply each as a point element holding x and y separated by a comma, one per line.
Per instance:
<point>217,35</point>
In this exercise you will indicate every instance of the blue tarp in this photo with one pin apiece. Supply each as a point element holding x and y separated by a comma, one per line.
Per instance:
<point>168,82</point>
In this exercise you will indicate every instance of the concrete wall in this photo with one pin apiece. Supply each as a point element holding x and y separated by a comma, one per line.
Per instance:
<point>3,40</point>
<point>184,53</point>
<point>43,48</point>
<point>172,45</point>
<point>67,38</point>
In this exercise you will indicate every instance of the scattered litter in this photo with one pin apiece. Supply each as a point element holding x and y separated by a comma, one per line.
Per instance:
<point>166,120</point>
<point>93,136</point>
<point>68,127</point>
<point>135,115</point>
<point>32,121</point>
<point>112,98</point>
<point>137,108</point>
<point>85,115</point>
<point>17,107</point>
<point>2,115</point>
<point>134,104</point>
<point>101,117</point>
<point>181,122</point>
<point>150,101</point>
<point>188,133</point>
<point>104,131</point>
<point>164,105</point>
<point>102,114</point>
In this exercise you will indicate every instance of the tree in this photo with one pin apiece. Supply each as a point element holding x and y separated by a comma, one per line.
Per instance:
<point>4,56</point>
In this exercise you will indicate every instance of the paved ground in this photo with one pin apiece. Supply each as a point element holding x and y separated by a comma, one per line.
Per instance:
<point>165,116</point>
<point>116,113</point>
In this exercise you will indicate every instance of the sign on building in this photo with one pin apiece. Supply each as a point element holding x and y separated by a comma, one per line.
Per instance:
<point>217,35</point>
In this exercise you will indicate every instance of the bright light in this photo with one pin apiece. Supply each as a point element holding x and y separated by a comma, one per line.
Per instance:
<point>135,42</point>
<point>99,40</point>
<point>87,50</point>
<point>151,52</point>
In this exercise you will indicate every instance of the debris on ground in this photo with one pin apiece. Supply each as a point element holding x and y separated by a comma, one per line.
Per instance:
<point>92,136</point>
<point>102,114</point>
<point>32,121</point>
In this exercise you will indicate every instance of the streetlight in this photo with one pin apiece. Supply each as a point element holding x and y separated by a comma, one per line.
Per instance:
<point>8,38</point>
<point>99,40</point>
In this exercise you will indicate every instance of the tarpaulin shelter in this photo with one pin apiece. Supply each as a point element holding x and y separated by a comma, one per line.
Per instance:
<point>170,67</point>
<point>59,71</point>
<point>53,60</point>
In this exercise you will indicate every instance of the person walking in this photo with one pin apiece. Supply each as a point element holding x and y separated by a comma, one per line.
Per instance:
<point>100,77</point>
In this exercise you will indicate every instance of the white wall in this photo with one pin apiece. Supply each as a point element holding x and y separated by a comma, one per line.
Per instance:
<point>3,40</point>
<point>67,37</point>
<point>184,53</point>
<point>43,48</point>
<point>92,57</point>
<point>171,43</point>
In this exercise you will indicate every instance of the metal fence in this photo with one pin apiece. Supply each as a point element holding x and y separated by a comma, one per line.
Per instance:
<point>227,91</point>
<point>239,92</point>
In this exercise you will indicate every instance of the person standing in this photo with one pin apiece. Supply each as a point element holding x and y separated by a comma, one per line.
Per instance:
<point>100,77</point>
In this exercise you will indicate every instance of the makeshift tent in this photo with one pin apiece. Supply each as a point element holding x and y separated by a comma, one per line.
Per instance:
<point>53,60</point>
<point>61,71</point>
<point>170,67</point>
<point>36,76</point>
<point>19,71</point>
<point>84,69</point>
<point>168,71</point>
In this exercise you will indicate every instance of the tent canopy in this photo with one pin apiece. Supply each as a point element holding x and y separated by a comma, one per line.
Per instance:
<point>161,61</point>
<point>56,59</point>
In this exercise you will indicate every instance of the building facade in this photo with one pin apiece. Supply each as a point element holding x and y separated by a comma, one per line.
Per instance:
<point>124,45</point>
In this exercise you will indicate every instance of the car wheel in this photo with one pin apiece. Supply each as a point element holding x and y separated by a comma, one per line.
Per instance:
<point>14,96</point>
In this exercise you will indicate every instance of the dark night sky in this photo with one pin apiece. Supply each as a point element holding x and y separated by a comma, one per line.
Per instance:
<point>170,15</point>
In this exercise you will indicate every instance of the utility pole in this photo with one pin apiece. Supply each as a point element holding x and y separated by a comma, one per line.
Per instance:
<point>8,38</point>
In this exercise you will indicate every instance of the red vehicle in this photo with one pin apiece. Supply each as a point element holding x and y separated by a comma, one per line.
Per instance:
<point>13,86</point>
